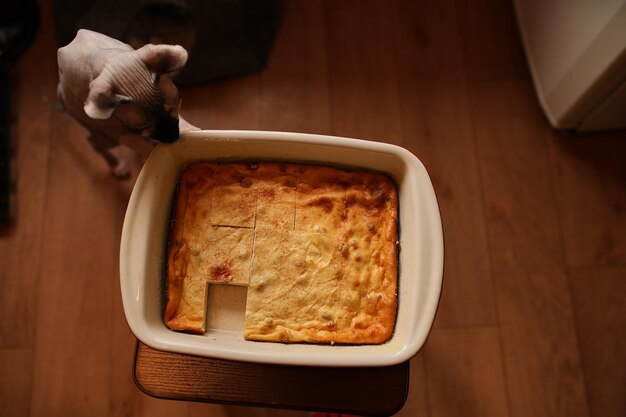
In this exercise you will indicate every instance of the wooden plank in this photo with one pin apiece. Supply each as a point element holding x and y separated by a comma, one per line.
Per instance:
<point>20,242</point>
<point>490,31</point>
<point>598,294</point>
<point>511,138</point>
<point>464,372</point>
<point>589,172</point>
<point>437,127</point>
<point>536,318</point>
<point>361,71</point>
<point>295,83</point>
<point>539,339</point>
<point>520,204</point>
<point>15,381</point>
<point>541,355</point>
<point>231,104</point>
<point>74,297</point>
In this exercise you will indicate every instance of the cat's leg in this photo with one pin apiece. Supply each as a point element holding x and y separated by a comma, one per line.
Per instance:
<point>104,146</point>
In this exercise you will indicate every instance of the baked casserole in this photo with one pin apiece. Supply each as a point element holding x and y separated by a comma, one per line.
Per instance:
<point>316,247</point>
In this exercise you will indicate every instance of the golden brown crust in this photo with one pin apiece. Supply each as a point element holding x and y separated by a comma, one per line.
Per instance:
<point>317,244</point>
<point>185,291</point>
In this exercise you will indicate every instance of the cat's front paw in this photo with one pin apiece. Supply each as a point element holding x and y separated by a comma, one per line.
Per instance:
<point>121,170</point>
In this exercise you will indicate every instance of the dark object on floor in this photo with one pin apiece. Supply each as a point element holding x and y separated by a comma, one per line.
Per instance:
<point>18,26</point>
<point>224,38</point>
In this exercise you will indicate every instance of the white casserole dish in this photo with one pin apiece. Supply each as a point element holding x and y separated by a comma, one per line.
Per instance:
<point>146,229</point>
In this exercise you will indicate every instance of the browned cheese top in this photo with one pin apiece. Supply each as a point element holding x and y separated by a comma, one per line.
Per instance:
<point>316,246</point>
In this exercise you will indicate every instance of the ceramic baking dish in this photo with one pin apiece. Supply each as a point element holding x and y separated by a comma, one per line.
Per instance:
<point>146,229</point>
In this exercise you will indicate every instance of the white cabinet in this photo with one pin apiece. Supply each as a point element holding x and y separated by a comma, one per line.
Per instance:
<point>576,50</point>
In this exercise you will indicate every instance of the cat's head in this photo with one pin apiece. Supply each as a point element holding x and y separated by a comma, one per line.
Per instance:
<point>137,89</point>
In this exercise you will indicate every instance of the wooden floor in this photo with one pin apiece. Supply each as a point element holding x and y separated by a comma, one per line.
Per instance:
<point>532,321</point>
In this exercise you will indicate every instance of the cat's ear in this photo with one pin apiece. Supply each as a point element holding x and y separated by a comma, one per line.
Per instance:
<point>102,100</point>
<point>163,59</point>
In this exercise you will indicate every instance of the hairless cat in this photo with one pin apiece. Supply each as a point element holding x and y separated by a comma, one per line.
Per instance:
<point>121,95</point>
